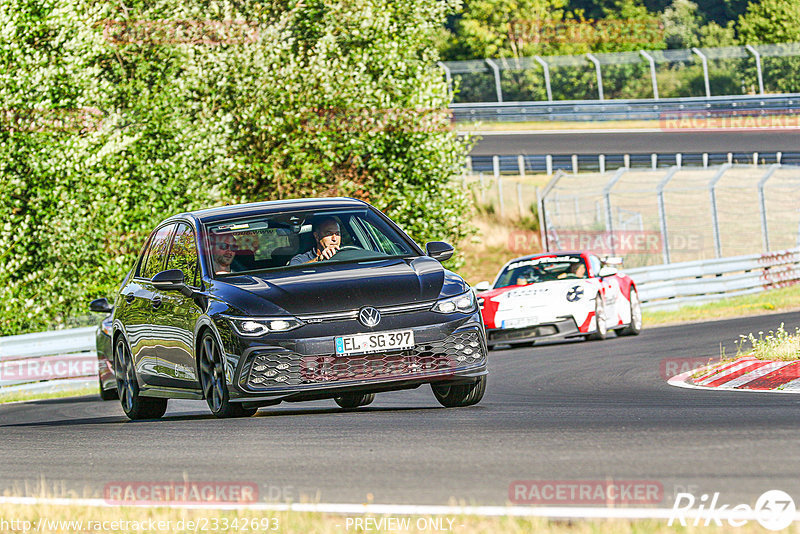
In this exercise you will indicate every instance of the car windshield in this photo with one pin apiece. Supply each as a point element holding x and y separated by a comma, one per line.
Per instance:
<point>290,239</point>
<point>534,270</point>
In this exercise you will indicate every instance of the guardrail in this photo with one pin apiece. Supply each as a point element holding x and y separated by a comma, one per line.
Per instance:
<point>695,282</point>
<point>666,109</point>
<point>50,360</point>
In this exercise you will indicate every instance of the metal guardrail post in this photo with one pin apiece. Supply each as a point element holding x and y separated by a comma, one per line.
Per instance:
<point>601,161</point>
<point>548,162</point>
<point>762,204</point>
<point>607,196</point>
<point>496,166</point>
<point>704,59</point>
<point>546,68</point>
<point>654,161</point>
<point>447,76</point>
<point>497,86</point>
<point>757,57</point>
<point>662,212</point>
<point>653,80</point>
<point>712,185</point>
<point>574,164</point>
<point>542,222</point>
<point>521,165</point>
<point>597,69</point>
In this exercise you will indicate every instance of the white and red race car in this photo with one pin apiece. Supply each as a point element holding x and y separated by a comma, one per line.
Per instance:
<point>556,295</point>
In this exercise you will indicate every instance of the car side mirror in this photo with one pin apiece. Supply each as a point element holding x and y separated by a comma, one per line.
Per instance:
<point>482,286</point>
<point>607,271</point>
<point>439,250</point>
<point>171,280</point>
<point>101,306</point>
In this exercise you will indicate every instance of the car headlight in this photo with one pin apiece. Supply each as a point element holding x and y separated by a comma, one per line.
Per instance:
<point>258,326</point>
<point>464,303</point>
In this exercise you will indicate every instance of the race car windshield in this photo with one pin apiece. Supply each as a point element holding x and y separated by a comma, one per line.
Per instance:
<point>291,239</point>
<point>535,270</point>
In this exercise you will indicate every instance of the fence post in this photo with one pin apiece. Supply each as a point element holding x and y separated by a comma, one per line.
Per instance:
<point>662,212</point>
<point>705,160</point>
<point>574,164</point>
<point>762,204</point>
<point>500,195</point>
<point>607,195</point>
<point>712,184</point>
<point>521,164</point>
<point>519,200</point>
<point>757,56</point>
<point>704,59</point>
<point>496,166</point>
<point>541,201</point>
<point>601,160</point>
<point>597,69</point>
<point>447,76</point>
<point>626,160</point>
<point>546,68</point>
<point>652,72</point>
<point>755,159</point>
<point>654,161</point>
<point>497,86</point>
<point>548,162</point>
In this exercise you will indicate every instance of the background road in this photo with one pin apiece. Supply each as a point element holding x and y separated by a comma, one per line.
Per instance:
<point>566,411</point>
<point>648,141</point>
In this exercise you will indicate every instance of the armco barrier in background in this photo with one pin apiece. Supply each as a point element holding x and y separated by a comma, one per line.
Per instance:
<point>30,360</point>
<point>695,282</point>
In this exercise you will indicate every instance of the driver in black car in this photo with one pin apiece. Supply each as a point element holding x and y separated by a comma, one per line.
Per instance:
<point>329,239</point>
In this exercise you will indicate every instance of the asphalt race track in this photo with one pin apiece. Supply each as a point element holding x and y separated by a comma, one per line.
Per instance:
<point>567,411</point>
<point>636,142</point>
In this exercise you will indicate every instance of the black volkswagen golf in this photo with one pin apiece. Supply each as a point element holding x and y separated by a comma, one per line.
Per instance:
<point>251,305</point>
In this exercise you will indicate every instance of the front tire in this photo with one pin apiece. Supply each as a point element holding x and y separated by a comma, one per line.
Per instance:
<point>460,395</point>
<point>134,405</point>
<point>635,325</point>
<point>354,400</point>
<point>600,320</point>
<point>212,380</point>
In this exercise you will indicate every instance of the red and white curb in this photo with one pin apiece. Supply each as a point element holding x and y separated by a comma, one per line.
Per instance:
<point>743,374</point>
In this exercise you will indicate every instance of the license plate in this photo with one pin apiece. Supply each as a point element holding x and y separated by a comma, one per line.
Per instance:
<point>520,322</point>
<point>377,342</point>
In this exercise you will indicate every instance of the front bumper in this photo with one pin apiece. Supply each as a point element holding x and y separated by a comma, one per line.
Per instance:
<point>308,368</point>
<point>559,329</point>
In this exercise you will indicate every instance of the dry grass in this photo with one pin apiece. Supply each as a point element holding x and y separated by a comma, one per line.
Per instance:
<point>26,396</point>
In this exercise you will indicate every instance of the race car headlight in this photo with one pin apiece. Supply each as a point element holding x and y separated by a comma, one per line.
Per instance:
<point>251,327</point>
<point>464,303</point>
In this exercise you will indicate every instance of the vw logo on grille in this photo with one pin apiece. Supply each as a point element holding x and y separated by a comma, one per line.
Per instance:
<point>369,316</point>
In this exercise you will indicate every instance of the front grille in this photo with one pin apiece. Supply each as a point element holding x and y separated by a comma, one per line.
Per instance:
<point>269,370</point>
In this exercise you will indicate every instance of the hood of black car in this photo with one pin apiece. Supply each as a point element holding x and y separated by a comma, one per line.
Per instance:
<point>326,288</point>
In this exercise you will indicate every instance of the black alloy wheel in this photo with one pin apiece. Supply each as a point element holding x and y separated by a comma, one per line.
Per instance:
<point>135,406</point>
<point>459,395</point>
<point>212,380</point>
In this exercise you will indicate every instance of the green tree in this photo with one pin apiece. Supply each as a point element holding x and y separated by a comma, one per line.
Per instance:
<point>770,21</point>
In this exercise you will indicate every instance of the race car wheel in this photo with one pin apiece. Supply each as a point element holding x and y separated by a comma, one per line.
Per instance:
<point>458,395</point>
<point>635,325</point>
<point>212,380</point>
<point>600,319</point>
<point>107,394</point>
<point>354,400</point>
<point>134,405</point>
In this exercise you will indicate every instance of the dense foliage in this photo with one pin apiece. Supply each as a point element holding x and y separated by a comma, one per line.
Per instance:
<point>115,116</point>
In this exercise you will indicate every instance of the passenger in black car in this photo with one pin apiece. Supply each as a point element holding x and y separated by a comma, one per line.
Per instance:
<point>328,239</point>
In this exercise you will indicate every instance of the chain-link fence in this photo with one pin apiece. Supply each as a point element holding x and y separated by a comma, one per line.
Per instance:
<point>653,217</point>
<point>695,72</point>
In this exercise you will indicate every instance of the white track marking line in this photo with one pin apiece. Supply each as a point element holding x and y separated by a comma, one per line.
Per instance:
<point>726,372</point>
<point>758,373</point>
<point>412,509</point>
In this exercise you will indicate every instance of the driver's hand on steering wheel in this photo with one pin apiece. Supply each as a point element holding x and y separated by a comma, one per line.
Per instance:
<point>328,252</point>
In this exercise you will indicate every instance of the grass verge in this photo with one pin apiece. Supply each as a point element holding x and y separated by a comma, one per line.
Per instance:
<point>28,396</point>
<point>48,518</point>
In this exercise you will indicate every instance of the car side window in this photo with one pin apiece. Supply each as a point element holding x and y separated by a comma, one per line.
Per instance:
<point>595,264</point>
<point>154,258</point>
<point>183,254</point>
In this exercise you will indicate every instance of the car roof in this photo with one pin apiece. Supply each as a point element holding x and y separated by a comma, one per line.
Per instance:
<point>551,253</point>
<point>210,215</point>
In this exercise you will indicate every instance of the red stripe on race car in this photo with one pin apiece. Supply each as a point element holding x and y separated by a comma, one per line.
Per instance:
<point>775,378</point>
<point>585,326</point>
<point>736,374</point>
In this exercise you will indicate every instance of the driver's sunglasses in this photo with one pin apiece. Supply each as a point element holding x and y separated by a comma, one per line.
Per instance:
<point>334,232</point>
<point>227,246</point>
